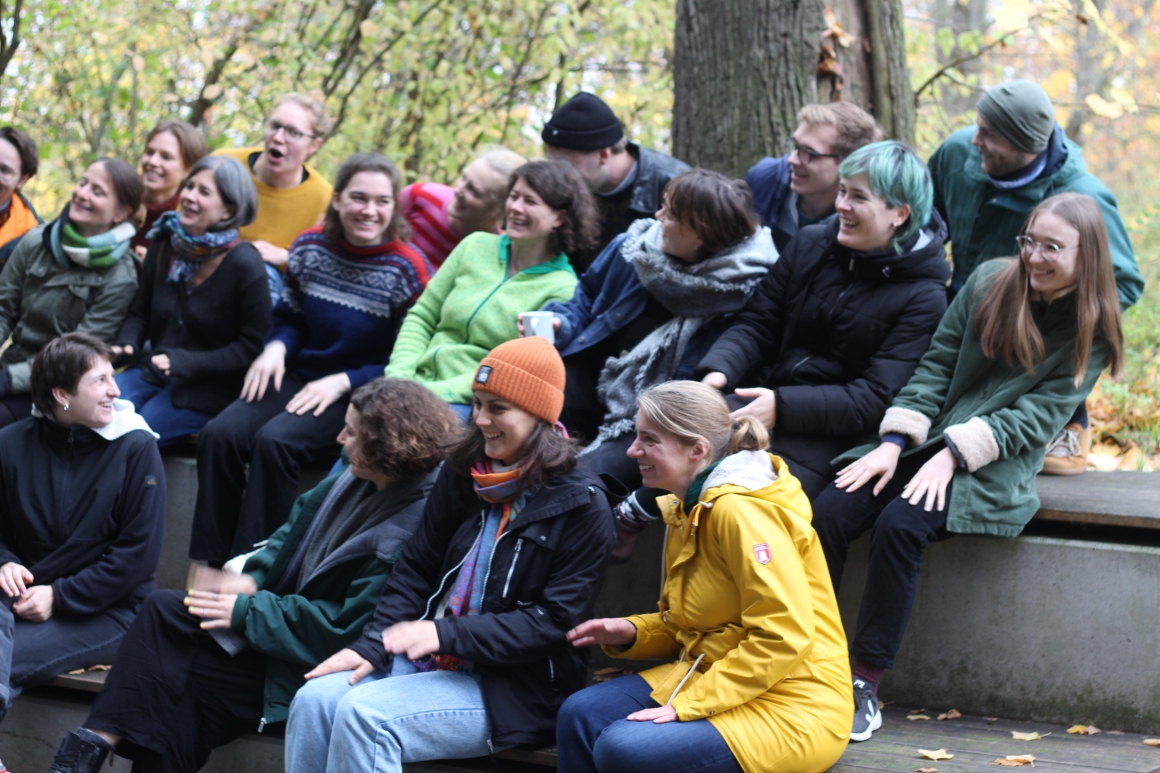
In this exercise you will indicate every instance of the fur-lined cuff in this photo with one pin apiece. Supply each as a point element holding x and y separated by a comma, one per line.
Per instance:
<point>904,421</point>
<point>975,442</point>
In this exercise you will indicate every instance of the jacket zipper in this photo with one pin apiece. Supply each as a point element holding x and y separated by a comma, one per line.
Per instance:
<point>487,575</point>
<point>439,590</point>
<point>799,363</point>
<point>511,569</point>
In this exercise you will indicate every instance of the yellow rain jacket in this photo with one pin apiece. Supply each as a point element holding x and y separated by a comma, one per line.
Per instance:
<point>747,598</point>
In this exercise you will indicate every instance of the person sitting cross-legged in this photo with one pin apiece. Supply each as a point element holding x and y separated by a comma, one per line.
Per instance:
<point>758,675</point>
<point>466,653</point>
<point>1020,347</point>
<point>195,673</point>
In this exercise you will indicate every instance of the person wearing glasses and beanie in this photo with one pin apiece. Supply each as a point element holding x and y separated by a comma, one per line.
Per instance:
<point>467,652</point>
<point>799,189</point>
<point>987,178</point>
<point>292,195</point>
<point>626,179</point>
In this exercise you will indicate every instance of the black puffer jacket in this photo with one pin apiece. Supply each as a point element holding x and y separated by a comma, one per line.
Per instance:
<point>836,334</point>
<point>545,572</point>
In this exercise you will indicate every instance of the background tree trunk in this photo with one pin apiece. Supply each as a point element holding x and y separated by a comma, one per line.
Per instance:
<point>743,68</point>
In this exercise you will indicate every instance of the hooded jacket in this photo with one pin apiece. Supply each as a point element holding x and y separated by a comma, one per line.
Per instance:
<point>543,579</point>
<point>998,416</point>
<point>300,630</point>
<point>750,618</point>
<point>41,299</point>
<point>835,334</point>
<point>83,509</point>
<point>984,220</point>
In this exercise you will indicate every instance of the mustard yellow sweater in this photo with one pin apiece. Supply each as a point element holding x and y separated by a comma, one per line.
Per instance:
<point>283,213</point>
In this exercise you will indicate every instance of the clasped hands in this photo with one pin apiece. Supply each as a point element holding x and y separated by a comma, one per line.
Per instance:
<point>33,602</point>
<point>618,632</point>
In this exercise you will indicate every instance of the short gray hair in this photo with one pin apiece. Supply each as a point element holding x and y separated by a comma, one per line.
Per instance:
<point>235,185</point>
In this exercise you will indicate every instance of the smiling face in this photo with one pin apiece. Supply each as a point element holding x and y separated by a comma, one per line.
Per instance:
<point>365,207</point>
<point>505,427</point>
<point>162,167</point>
<point>201,204</point>
<point>12,175</point>
<point>820,176</point>
<point>999,157</point>
<point>284,154</point>
<point>92,403</point>
<point>476,193</point>
<point>665,462</point>
<point>678,239</point>
<point>1051,278</point>
<point>866,222</point>
<point>528,217</point>
<point>94,207</point>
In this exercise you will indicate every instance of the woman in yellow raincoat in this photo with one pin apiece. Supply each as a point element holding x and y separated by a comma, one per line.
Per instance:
<point>761,678</point>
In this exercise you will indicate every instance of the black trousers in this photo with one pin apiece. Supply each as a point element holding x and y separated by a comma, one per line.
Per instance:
<point>583,411</point>
<point>899,533</point>
<point>174,695</point>
<point>233,513</point>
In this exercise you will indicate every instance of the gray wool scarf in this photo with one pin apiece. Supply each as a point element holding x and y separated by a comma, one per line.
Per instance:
<point>695,293</point>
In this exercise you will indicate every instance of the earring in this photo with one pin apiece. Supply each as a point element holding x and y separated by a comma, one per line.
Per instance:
<point>66,406</point>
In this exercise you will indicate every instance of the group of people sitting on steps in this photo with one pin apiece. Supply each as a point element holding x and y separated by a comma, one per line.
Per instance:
<point>770,367</point>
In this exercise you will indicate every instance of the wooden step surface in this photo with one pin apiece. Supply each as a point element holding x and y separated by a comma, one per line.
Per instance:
<point>1130,499</point>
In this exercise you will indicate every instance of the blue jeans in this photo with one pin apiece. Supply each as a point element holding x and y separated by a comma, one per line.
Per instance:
<point>276,282</point>
<point>385,720</point>
<point>155,404</point>
<point>593,736</point>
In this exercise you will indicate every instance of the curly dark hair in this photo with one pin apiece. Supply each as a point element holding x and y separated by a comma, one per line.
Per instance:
<point>366,162</point>
<point>403,427</point>
<point>549,454</point>
<point>564,190</point>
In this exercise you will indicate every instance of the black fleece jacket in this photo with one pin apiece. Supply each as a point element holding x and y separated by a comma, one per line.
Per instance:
<point>83,514</point>
<point>544,576</point>
<point>211,332</point>
<point>836,334</point>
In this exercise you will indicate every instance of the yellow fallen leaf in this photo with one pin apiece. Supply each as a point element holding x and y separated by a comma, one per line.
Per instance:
<point>1027,736</point>
<point>937,754</point>
<point>1077,729</point>
<point>952,714</point>
<point>917,716</point>
<point>1016,761</point>
<point>1152,741</point>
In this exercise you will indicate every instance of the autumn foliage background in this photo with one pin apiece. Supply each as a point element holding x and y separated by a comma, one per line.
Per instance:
<point>428,82</point>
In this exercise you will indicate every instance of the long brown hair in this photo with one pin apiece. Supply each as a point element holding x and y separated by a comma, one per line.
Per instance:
<point>547,453</point>
<point>366,162</point>
<point>1004,323</point>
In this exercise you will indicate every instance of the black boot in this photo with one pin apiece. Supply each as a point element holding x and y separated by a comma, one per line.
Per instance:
<point>77,755</point>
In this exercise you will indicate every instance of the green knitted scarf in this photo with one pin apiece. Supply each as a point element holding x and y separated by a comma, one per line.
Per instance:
<point>100,251</point>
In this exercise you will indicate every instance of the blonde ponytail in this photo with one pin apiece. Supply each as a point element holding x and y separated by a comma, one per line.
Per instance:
<point>749,434</point>
<point>692,411</point>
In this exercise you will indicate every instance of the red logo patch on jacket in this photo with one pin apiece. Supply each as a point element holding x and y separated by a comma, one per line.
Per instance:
<point>761,553</point>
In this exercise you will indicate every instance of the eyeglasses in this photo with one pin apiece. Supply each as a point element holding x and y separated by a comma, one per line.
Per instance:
<point>805,154</point>
<point>292,134</point>
<point>1048,250</point>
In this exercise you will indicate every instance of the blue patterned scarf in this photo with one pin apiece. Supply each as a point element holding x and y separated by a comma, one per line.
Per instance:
<point>189,252</point>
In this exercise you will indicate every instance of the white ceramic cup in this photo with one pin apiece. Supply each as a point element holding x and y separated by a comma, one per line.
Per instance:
<point>539,323</point>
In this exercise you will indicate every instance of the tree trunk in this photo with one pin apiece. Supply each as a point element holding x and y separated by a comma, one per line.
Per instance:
<point>742,69</point>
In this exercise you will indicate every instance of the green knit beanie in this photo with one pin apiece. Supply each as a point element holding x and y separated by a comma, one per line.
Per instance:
<point>1021,112</point>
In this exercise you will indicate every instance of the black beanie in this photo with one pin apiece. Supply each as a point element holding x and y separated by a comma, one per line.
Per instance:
<point>584,122</point>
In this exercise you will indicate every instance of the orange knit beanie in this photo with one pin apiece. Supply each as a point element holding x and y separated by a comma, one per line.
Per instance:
<point>528,373</point>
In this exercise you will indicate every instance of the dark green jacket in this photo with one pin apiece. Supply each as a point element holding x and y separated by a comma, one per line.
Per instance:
<point>984,220</point>
<point>299,631</point>
<point>999,416</point>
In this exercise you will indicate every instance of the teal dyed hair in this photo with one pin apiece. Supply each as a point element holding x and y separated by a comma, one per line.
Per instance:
<point>899,177</point>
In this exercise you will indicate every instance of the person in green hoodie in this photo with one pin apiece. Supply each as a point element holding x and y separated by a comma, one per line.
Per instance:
<point>194,673</point>
<point>1019,348</point>
<point>472,304</point>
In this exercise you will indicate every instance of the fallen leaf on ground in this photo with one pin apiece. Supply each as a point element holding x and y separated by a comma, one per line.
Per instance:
<point>991,719</point>
<point>881,705</point>
<point>1092,730</point>
<point>937,754</point>
<point>1016,760</point>
<point>926,770</point>
<point>100,668</point>
<point>1027,736</point>
<point>1077,729</point>
<point>917,716</point>
<point>78,671</point>
<point>952,714</point>
<point>604,674</point>
<point>1152,741</point>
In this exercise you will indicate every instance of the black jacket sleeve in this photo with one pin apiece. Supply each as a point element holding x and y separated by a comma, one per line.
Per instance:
<point>528,634</point>
<point>857,407</point>
<point>135,329</point>
<point>755,335</point>
<point>132,557</point>
<point>417,574</point>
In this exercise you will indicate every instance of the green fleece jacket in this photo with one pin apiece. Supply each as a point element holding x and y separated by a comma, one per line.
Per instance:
<point>470,307</point>
<point>300,630</point>
<point>984,220</point>
<point>999,416</point>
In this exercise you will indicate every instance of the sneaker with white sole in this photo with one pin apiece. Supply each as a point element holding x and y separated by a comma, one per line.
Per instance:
<point>867,715</point>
